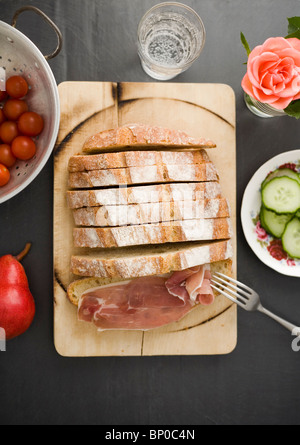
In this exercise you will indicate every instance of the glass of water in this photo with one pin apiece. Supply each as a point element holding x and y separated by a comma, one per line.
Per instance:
<point>171,37</point>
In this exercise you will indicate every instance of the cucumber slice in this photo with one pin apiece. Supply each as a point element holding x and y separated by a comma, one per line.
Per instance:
<point>291,238</point>
<point>282,195</point>
<point>281,172</point>
<point>261,218</point>
<point>274,224</point>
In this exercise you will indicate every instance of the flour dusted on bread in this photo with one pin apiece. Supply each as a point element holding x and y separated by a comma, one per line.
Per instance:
<point>170,232</point>
<point>138,135</point>
<point>157,193</point>
<point>144,175</point>
<point>134,262</point>
<point>135,214</point>
<point>104,161</point>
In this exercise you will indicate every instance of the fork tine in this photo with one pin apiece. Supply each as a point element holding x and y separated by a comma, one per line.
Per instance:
<point>227,296</point>
<point>234,287</point>
<point>234,281</point>
<point>231,292</point>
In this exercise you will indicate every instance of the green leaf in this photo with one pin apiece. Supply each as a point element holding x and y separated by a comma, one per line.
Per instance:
<point>245,44</point>
<point>295,34</point>
<point>294,24</point>
<point>293,109</point>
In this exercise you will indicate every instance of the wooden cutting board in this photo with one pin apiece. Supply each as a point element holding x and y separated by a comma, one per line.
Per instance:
<point>206,110</point>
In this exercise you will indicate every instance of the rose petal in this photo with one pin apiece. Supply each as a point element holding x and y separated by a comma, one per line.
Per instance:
<point>275,44</point>
<point>262,97</point>
<point>279,88</point>
<point>254,53</point>
<point>291,89</point>
<point>254,66</point>
<point>282,103</point>
<point>272,82</point>
<point>295,43</point>
<point>288,72</point>
<point>291,53</point>
<point>268,66</point>
<point>296,97</point>
<point>247,85</point>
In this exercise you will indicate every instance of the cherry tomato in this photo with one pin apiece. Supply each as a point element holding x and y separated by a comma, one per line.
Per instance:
<point>2,116</point>
<point>16,87</point>
<point>3,95</point>
<point>8,132</point>
<point>23,148</point>
<point>14,108</point>
<point>31,124</point>
<point>6,156</point>
<point>4,175</point>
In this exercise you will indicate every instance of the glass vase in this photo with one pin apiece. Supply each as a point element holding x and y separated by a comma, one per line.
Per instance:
<point>262,110</point>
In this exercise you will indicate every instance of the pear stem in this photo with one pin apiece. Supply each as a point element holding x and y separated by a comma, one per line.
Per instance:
<point>24,252</point>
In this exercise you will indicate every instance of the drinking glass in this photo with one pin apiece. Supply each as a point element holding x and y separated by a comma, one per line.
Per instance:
<point>171,37</point>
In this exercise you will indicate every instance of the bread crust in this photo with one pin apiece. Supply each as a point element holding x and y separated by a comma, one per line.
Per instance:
<point>81,163</point>
<point>144,175</point>
<point>161,233</point>
<point>137,135</point>
<point>144,194</point>
<point>123,215</point>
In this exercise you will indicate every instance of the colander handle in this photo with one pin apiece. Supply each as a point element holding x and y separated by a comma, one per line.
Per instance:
<point>48,20</point>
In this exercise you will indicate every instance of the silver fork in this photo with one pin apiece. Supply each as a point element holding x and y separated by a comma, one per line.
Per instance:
<point>246,298</point>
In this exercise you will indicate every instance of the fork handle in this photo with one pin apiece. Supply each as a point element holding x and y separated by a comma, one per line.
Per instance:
<point>291,327</point>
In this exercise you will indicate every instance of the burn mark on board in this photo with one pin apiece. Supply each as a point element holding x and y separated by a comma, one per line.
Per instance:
<point>142,345</point>
<point>124,103</point>
<point>59,281</point>
<point>114,91</point>
<point>120,89</point>
<point>59,147</point>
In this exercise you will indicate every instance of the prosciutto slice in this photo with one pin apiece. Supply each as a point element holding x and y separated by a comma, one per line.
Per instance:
<point>146,303</point>
<point>192,283</point>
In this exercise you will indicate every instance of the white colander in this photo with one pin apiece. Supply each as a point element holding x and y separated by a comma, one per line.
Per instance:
<point>19,56</point>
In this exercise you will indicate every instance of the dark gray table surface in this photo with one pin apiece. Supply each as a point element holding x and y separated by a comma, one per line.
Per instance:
<point>259,382</point>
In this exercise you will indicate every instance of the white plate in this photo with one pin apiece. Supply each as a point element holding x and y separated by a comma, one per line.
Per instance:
<point>267,249</point>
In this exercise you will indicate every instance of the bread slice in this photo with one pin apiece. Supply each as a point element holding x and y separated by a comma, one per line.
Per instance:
<point>79,287</point>
<point>150,260</point>
<point>142,136</point>
<point>168,232</point>
<point>123,215</point>
<point>144,194</point>
<point>129,159</point>
<point>144,175</point>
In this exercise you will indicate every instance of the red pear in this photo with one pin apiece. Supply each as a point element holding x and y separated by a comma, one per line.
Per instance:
<point>17,307</point>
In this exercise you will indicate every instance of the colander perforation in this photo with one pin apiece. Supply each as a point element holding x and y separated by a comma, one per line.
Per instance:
<point>20,56</point>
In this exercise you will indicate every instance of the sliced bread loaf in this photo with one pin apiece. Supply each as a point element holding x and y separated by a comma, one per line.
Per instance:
<point>142,136</point>
<point>135,159</point>
<point>167,232</point>
<point>144,194</point>
<point>149,260</point>
<point>144,175</point>
<point>123,215</point>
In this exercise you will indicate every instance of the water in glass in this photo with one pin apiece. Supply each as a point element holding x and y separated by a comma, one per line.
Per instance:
<point>170,39</point>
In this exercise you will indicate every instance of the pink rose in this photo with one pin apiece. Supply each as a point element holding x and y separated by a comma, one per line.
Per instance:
<point>273,72</point>
<point>260,231</point>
